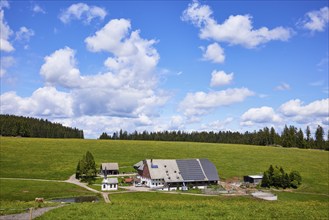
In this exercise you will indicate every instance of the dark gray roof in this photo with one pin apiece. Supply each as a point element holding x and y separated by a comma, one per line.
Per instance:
<point>110,166</point>
<point>190,170</point>
<point>209,169</point>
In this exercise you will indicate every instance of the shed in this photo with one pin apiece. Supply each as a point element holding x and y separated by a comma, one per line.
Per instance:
<point>109,169</point>
<point>109,184</point>
<point>255,179</point>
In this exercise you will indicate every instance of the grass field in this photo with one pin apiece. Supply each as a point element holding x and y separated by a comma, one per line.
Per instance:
<point>18,195</point>
<point>57,159</point>
<point>173,206</point>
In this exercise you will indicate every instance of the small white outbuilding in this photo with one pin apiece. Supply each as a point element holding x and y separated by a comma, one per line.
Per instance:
<point>109,184</point>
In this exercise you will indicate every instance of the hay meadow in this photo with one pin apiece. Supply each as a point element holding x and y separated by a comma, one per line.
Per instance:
<point>56,159</point>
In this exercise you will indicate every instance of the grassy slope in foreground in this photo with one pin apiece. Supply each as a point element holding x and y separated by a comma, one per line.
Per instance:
<point>18,195</point>
<point>173,206</point>
<point>57,158</point>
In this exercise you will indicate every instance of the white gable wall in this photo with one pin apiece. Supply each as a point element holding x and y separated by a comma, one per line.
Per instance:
<point>109,186</point>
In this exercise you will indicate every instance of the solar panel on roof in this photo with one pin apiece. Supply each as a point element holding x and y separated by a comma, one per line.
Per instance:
<point>209,169</point>
<point>190,170</point>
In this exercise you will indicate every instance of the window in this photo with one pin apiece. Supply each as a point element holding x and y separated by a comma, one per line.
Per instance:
<point>104,186</point>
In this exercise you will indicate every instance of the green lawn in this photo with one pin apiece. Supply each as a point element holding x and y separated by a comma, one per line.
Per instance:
<point>57,159</point>
<point>28,190</point>
<point>18,195</point>
<point>173,206</point>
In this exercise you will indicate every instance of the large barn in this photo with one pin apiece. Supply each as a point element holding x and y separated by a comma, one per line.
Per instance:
<point>173,174</point>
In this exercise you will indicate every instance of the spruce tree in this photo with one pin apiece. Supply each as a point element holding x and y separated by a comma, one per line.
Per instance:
<point>319,141</point>
<point>266,180</point>
<point>286,181</point>
<point>77,172</point>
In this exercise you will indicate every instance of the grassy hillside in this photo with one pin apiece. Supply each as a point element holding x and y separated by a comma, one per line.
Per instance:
<point>57,158</point>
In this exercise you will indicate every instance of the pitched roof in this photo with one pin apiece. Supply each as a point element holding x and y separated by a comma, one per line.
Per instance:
<point>110,180</point>
<point>139,165</point>
<point>184,170</point>
<point>209,169</point>
<point>110,166</point>
<point>164,169</point>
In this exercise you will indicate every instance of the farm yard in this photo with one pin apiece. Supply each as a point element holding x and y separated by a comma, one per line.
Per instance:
<point>55,159</point>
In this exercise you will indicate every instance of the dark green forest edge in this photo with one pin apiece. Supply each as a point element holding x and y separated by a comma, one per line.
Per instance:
<point>12,125</point>
<point>290,137</point>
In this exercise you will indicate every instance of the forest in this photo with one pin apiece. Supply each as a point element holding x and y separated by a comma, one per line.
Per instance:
<point>289,137</point>
<point>12,125</point>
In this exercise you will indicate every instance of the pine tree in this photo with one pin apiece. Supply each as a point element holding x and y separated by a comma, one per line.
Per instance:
<point>77,172</point>
<point>86,168</point>
<point>266,180</point>
<point>286,181</point>
<point>300,139</point>
<point>319,142</point>
<point>91,165</point>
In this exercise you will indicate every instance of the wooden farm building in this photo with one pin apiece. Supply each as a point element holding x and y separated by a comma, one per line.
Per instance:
<point>109,169</point>
<point>176,174</point>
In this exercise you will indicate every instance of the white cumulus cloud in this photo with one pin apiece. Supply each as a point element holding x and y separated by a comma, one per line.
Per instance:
<point>316,20</point>
<point>200,103</point>
<point>82,11</point>
<point>127,91</point>
<point>214,52</point>
<point>5,33</point>
<point>235,30</point>
<point>46,101</point>
<point>220,78</point>
<point>293,111</point>
<point>60,69</point>
<point>263,115</point>
<point>296,108</point>
<point>131,52</point>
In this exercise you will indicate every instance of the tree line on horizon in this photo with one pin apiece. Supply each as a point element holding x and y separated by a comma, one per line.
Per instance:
<point>290,137</point>
<point>12,125</point>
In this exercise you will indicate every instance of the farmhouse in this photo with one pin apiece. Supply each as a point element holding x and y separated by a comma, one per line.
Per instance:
<point>109,184</point>
<point>255,179</point>
<point>109,169</point>
<point>176,174</point>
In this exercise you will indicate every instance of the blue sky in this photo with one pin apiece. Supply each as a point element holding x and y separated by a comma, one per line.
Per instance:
<point>176,65</point>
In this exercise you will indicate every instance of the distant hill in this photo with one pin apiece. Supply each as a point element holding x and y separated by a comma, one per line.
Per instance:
<point>12,125</point>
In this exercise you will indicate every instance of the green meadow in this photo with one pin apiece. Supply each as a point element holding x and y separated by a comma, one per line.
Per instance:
<point>56,159</point>
<point>174,206</point>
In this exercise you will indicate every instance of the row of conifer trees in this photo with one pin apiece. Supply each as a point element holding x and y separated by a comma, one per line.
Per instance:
<point>12,125</point>
<point>290,136</point>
